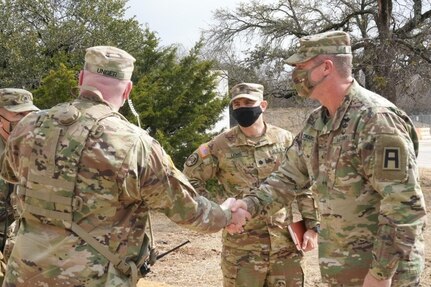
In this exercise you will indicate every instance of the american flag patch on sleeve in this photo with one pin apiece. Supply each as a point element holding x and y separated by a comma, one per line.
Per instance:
<point>204,151</point>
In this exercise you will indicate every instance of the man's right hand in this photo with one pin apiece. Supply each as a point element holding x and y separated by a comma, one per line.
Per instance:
<point>239,216</point>
<point>239,203</point>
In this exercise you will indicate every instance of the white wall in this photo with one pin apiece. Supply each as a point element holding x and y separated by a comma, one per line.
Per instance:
<point>222,89</point>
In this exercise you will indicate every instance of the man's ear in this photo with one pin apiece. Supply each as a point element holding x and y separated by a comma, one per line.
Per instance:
<point>263,105</point>
<point>127,90</point>
<point>329,66</point>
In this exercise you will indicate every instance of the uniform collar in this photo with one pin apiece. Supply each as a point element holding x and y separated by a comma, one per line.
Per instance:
<point>92,94</point>
<point>242,139</point>
<point>324,123</point>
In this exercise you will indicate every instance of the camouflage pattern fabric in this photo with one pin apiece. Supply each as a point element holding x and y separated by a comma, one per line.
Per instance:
<point>250,91</point>
<point>14,101</point>
<point>361,165</point>
<point>109,61</point>
<point>4,218</point>
<point>9,222</point>
<point>246,268</point>
<point>17,100</point>
<point>2,268</point>
<point>4,190</point>
<point>264,252</point>
<point>331,42</point>
<point>122,172</point>
<point>12,232</point>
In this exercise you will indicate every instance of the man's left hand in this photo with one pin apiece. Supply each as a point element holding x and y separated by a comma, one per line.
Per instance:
<point>310,240</point>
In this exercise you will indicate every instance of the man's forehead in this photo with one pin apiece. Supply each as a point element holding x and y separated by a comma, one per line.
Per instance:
<point>243,100</point>
<point>306,63</point>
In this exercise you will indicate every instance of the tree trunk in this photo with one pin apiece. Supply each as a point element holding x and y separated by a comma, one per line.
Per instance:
<point>383,82</point>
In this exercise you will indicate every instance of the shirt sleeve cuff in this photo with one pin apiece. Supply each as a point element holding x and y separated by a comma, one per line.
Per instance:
<point>252,205</point>
<point>228,214</point>
<point>311,223</point>
<point>380,272</point>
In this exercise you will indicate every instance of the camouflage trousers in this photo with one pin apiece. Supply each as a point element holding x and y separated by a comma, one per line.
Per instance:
<point>245,268</point>
<point>399,280</point>
<point>350,271</point>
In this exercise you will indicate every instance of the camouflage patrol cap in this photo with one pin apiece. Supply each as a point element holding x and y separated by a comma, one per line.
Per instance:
<point>17,100</point>
<point>109,61</point>
<point>332,42</point>
<point>247,90</point>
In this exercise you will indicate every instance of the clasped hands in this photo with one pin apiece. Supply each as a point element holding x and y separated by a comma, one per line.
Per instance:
<point>240,215</point>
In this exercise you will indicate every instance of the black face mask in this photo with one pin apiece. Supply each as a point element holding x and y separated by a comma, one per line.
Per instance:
<point>246,116</point>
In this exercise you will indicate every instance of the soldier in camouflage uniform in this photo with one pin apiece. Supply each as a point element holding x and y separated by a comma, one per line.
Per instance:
<point>358,153</point>
<point>241,158</point>
<point>87,179</point>
<point>14,105</point>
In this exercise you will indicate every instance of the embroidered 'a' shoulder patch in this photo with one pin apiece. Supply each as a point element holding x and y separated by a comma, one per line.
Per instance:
<point>391,158</point>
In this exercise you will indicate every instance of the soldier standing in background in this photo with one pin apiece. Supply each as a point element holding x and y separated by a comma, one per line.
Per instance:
<point>14,105</point>
<point>87,179</point>
<point>241,158</point>
<point>358,152</point>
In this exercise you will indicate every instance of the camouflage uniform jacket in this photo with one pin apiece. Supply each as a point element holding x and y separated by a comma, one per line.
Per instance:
<point>4,190</point>
<point>361,164</point>
<point>6,210</point>
<point>240,164</point>
<point>120,173</point>
<point>5,218</point>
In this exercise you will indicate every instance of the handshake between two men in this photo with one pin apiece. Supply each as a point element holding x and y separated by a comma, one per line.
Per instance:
<point>240,215</point>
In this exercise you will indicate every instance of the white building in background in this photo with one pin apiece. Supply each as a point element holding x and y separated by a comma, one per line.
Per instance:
<point>222,90</point>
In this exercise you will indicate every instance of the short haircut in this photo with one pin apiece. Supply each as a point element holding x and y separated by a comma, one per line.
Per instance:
<point>342,63</point>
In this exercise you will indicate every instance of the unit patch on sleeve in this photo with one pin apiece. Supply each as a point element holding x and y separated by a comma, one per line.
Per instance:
<point>391,154</point>
<point>192,159</point>
<point>391,158</point>
<point>204,151</point>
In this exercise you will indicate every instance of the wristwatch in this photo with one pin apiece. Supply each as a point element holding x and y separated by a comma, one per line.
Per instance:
<point>316,228</point>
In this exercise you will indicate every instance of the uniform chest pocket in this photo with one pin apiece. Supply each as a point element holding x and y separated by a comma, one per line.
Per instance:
<point>239,169</point>
<point>332,160</point>
<point>341,162</point>
<point>266,166</point>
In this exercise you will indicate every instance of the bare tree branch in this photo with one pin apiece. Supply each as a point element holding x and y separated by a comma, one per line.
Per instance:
<point>389,37</point>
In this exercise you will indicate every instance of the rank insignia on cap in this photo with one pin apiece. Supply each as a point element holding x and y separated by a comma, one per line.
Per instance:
<point>391,158</point>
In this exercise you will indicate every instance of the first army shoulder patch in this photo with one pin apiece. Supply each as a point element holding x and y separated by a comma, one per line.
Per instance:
<point>391,160</point>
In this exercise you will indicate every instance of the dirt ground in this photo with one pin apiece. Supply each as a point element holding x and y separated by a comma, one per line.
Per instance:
<point>197,263</point>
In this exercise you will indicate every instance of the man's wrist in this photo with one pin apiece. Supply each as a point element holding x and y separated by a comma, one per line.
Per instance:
<point>311,223</point>
<point>316,228</point>
<point>251,205</point>
<point>228,214</point>
<point>380,272</point>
